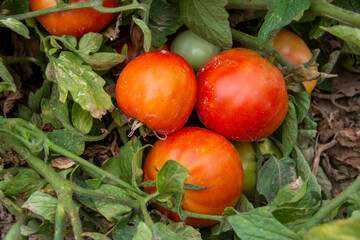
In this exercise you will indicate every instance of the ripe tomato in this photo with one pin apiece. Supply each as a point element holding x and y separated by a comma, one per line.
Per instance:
<point>131,53</point>
<point>241,95</point>
<point>294,50</point>
<point>193,48</point>
<point>211,160</point>
<point>247,154</point>
<point>73,22</point>
<point>159,89</point>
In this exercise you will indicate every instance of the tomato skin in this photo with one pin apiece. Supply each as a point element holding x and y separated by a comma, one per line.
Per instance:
<point>73,22</point>
<point>247,154</point>
<point>211,160</point>
<point>193,48</point>
<point>131,52</point>
<point>158,88</point>
<point>294,50</point>
<point>241,95</point>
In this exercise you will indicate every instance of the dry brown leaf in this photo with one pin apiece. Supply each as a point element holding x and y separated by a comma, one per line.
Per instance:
<point>62,163</point>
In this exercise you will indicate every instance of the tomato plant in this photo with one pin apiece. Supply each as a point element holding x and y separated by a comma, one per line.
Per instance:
<point>241,95</point>
<point>75,22</point>
<point>159,89</point>
<point>294,50</point>
<point>193,48</point>
<point>247,154</point>
<point>211,160</point>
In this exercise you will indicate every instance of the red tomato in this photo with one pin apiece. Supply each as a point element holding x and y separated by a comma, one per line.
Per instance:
<point>294,50</point>
<point>159,89</point>
<point>131,53</point>
<point>241,95</point>
<point>73,22</point>
<point>211,160</point>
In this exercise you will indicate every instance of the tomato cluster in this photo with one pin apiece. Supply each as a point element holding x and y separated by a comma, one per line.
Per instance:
<point>237,95</point>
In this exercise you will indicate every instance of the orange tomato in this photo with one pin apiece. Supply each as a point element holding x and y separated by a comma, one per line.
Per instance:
<point>294,50</point>
<point>211,160</point>
<point>73,22</point>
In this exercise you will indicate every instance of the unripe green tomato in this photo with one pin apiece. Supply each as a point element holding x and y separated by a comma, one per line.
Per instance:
<point>193,48</point>
<point>247,154</point>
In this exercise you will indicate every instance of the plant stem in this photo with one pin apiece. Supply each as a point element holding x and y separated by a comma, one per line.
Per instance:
<point>96,4</point>
<point>12,207</point>
<point>102,172</point>
<point>325,9</point>
<point>325,211</point>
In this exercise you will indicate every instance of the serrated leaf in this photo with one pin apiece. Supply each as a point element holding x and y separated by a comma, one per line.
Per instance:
<point>208,19</point>
<point>171,177</point>
<point>160,231</point>
<point>164,20</point>
<point>103,60</point>
<point>275,174</point>
<point>346,33</point>
<point>289,130</point>
<point>42,204</point>
<point>85,86</point>
<point>90,43</point>
<point>302,100</point>
<point>67,140</point>
<point>260,224</point>
<point>143,232</point>
<point>9,83</point>
<point>184,230</point>
<point>81,119</point>
<point>280,14</point>
<point>16,26</point>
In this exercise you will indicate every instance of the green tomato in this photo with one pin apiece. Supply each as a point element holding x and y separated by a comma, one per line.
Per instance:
<point>193,48</point>
<point>247,154</point>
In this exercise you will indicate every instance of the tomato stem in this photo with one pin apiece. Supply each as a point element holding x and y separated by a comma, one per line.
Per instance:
<point>325,211</point>
<point>96,4</point>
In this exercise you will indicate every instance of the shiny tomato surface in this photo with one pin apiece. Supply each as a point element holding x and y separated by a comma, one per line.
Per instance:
<point>294,50</point>
<point>241,95</point>
<point>73,22</point>
<point>159,89</point>
<point>211,160</point>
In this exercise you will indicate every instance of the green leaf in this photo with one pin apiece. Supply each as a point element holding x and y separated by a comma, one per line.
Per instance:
<point>42,204</point>
<point>95,236</point>
<point>316,31</point>
<point>189,233</point>
<point>289,130</point>
<point>338,229</point>
<point>35,97</point>
<point>127,227</point>
<point>209,20</point>
<point>171,178</point>
<point>90,43</point>
<point>164,20</point>
<point>346,33</point>
<point>275,174</point>
<point>54,111</point>
<point>16,26</point>
<point>24,112</point>
<point>111,210</point>
<point>24,183</point>
<point>280,14</point>
<point>143,232</point>
<point>160,231</point>
<point>302,100</point>
<point>45,227</point>
<point>67,140</point>
<point>147,33</point>
<point>85,86</point>
<point>103,60</point>
<point>303,170</point>
<point>260,224</point>
<point>9,84</point>
<point>81,119</point>
<point>16,6</point>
